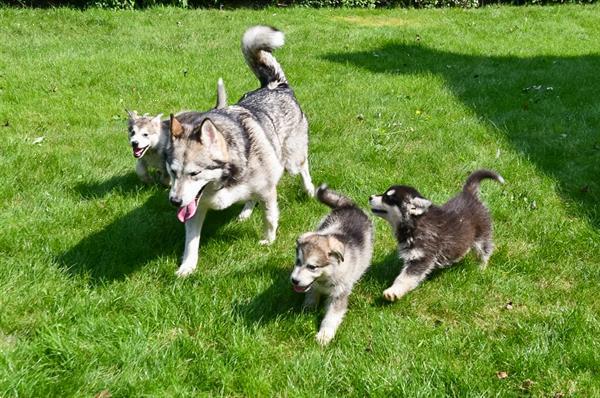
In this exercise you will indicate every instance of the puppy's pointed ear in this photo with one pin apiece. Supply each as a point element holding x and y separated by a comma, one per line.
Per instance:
<point>132,114</point>
<point>157,119</point>
<point>336,249</point>
<point>176,127</point>
<point>418,206</point>
<point>305,237</point>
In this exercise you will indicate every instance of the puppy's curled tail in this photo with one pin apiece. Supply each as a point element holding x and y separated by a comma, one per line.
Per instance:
<point>332,198</point>
<point>473,181</point>
<point>257,45</point>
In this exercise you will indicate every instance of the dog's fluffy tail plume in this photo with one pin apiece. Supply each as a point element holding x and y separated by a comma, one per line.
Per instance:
<point>257,45</point>
<point>472,184</point>
<point>332,198</point>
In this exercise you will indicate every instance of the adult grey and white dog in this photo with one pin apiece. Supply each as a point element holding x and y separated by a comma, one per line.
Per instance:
<point>431,237</point>
<point>331,260</point>
<point>149,136</point>
<point>238,153</point>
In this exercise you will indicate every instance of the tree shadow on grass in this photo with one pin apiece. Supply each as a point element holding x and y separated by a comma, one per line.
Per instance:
<point>138,237</point>
<point>547,107</point>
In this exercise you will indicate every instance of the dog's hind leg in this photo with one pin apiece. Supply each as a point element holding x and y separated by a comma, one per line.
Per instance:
<point>193,228</point>
<point>306,180</point>
<point>270,216</point>
<point>334,314</point>
<point>484,247</point>
<point>247,210</point>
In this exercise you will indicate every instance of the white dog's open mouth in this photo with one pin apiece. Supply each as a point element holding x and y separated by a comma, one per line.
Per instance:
<point>186,212</point>
<point>139,152</point>
<point>378,211</point>
<point>302,289</point>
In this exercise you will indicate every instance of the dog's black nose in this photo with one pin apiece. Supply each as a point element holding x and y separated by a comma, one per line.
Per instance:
<point>134,144</point>
<point>175,201</point>
<point>295,281</point>
<point>370,198</point>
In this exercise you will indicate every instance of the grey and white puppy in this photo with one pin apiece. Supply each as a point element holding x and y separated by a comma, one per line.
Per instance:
<point>149,136</point>
<point>331,260</point>
<point>238,153</point>
<point>430,236</point>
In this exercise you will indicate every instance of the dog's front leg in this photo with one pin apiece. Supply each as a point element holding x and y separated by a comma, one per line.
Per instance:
<point>193,229</point>
<point>270,216</point>
<point>142,171</point>
<point>311,300</point>
<point>410,277</point>
<point>334,313</point>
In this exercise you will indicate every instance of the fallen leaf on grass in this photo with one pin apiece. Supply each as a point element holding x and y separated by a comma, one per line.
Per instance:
<point>526,385</point>
<point>502,375</point>
<point>103,394</point>
<point>508,306</point>
<point>38,140</point>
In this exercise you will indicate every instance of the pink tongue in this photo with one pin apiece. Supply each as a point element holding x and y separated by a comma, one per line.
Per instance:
<point>137,152</point>
<point>187,212</point>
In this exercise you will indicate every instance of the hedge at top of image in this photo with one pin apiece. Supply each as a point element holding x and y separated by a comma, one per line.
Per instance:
<point>133,4</point>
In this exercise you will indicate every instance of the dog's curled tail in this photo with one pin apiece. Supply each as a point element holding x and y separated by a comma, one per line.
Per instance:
<point>221,95</point>
<point>332,198</point>
<point>472,184</point>
<point>257,45</point>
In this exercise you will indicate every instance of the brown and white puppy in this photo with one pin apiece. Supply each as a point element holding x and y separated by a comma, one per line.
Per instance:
<point>431,237</point>
<point>331,260</point>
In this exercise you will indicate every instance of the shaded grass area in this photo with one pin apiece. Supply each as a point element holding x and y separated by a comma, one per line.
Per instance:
<point>88,299</point>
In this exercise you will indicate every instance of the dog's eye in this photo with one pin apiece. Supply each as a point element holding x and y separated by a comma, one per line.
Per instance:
<point>194,173</point>
<point>145,134</point>
<point>311,267</point>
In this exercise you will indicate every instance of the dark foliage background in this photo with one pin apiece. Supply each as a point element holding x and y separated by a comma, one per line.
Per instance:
<point>132,4</point>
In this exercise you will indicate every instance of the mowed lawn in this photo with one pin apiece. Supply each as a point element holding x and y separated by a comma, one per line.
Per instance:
<point>89,302</point>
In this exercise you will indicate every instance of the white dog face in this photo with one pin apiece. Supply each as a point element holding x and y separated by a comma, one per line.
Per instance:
<point>316,255</point>
<point>144,133</point>
<point>197,158</point>
<point>398,204</point>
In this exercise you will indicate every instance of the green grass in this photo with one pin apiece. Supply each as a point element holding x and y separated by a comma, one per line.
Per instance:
<point>88,297</point>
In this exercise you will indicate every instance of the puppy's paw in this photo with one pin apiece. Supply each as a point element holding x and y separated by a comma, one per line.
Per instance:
<point>310,191</point>
<point>244,215</point>
<point>392,293</point>
<point>325,336</point>
<point>184,271</point>
<point>266,242</point>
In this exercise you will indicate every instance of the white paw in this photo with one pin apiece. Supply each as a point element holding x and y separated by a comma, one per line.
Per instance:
<point>245,214</point>
<point>266,242</point>
<point>310,191</point>
<point>392,293</point>
<point>325,336</point>
<point>184,271</point>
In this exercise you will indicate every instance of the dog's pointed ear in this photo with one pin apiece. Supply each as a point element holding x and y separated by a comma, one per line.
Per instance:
<point>208,133</point>
<point>176,127</point>
<point>210,136</point>
<point>157,119</point>
<point>132,114</point>
<point>336,249</point>
<point>418,206</point>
